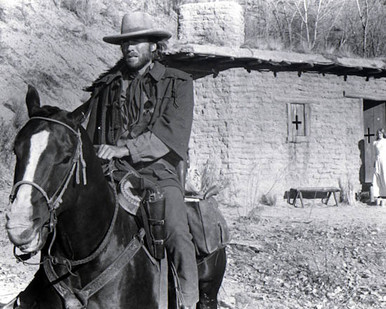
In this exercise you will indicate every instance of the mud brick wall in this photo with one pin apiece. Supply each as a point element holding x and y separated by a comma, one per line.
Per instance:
<point>240,127</point>
<point>220,23</point>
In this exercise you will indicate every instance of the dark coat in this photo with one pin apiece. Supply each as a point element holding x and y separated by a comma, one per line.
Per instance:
<point>172,118</point>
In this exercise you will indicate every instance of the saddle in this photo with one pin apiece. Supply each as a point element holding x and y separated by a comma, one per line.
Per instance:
<point>144,199</point>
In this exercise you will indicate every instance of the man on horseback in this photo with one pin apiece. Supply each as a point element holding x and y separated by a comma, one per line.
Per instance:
<point>141,112</point>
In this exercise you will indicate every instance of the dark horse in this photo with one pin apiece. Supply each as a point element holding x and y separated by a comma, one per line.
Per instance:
<point>92,251</point>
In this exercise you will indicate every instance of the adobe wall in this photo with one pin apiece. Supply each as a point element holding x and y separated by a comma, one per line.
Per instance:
<point>240,126</point>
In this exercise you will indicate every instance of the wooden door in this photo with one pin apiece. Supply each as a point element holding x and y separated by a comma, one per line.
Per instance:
<point>374,119</point>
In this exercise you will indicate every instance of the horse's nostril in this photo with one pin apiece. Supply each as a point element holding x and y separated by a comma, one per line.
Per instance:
<point>7,215</point>
<point>14,220</point>
<point>11,216</point>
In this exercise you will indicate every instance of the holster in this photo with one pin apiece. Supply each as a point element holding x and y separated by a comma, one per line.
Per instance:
<point>152,205</point>
<point>153,215</point>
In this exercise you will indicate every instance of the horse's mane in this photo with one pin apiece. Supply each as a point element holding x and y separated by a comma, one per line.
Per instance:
<point>49,111</point>
<point>54,112</point>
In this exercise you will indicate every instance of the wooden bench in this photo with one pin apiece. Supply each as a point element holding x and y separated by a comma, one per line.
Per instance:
<point>311,193</point>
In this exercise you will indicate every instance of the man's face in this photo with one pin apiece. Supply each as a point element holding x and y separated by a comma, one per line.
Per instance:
<point>137,53</point>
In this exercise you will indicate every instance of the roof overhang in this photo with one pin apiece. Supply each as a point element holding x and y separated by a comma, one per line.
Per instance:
<point>203,60</point>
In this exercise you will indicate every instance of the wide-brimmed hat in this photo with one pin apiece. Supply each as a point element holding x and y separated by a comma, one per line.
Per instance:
<point>138,25</point>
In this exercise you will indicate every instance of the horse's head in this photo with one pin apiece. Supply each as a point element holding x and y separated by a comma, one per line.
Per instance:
<point>48,150</point>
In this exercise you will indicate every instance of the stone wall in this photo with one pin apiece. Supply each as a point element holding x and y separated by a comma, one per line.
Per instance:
<point>241,128</point>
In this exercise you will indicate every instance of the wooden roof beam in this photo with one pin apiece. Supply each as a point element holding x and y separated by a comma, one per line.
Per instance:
<point>327,68</point>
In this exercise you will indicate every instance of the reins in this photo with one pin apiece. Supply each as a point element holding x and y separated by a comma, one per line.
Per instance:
<point>55,200</point>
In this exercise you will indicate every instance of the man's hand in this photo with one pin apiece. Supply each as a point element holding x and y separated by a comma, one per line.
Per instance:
<point>108,152</point>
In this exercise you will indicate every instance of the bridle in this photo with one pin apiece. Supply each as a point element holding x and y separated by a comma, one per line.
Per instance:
<point>78,167</point>
<point>55,200</point>
<point>77,298</point>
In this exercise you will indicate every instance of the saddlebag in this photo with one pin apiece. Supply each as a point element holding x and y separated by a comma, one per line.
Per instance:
<point>207,225</point>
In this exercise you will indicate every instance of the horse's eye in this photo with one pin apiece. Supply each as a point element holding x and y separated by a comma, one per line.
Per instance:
<point>66,159</point>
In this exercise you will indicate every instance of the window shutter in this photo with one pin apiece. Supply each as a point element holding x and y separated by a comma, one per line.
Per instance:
<point>298,122</point>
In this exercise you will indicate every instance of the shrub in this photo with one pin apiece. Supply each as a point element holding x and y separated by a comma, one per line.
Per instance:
<point>268,199</point>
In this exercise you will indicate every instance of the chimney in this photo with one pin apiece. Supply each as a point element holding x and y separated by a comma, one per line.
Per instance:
<point>219,23</point>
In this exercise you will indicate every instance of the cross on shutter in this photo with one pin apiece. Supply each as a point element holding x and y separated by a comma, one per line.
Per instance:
<point>298,120</point>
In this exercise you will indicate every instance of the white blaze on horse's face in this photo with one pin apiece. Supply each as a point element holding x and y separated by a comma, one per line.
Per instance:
<point>24,223</point>
<point>39,142</point>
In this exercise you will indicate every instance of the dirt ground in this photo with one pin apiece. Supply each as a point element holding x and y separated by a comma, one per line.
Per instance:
<point>282,257</point>
<point>313,257</point>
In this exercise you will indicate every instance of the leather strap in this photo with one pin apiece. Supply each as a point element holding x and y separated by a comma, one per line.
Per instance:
<point>71,301</point>
<point>113,270</point>
<point>77,299</point>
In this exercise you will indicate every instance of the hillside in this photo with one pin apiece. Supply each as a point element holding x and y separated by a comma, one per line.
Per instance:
<point>57,46</point>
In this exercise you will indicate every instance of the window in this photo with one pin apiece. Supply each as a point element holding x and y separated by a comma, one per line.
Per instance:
<point>298,122</point>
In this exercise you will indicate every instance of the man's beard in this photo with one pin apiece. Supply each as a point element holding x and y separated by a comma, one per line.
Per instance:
<point>136,64</point>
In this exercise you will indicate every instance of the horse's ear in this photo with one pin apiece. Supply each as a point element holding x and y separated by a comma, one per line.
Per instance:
<point>33,101</point>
